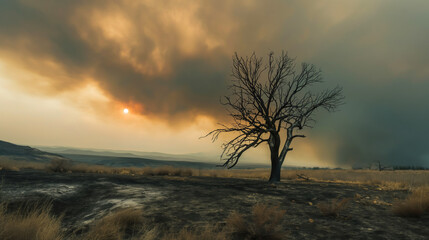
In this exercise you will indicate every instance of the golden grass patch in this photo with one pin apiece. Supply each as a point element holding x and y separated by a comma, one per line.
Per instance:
<point>12,164</point>
<point>415,205</point>
<point>125,222</point>
<point>265,223</point>
<point>29,222</point>
<point>333,208</point>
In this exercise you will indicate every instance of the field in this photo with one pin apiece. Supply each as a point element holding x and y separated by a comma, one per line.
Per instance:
<point>76,201</point>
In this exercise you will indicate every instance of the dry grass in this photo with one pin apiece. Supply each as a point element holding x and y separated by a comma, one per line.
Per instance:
<point>416,204</point>
<point>148,234</point>
<point>35,222</point>
<point>165,171</point>
<point>116,226</point>
<point>29,222</point>
<point>265,223</point>
<point>389,180</point>
<point>86,168</point>
<point>59,165</point>
<point>11,164</point>
<point>333,208</point>
<point>207,233</point>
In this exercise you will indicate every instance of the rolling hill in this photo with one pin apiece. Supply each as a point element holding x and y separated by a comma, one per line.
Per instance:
<point>107,158</point>
<point>26,153</point>
<point>113,158</point>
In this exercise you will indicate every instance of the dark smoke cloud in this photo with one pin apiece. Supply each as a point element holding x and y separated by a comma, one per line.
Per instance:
<point>35,33</point>
<point>386,124</point>
<point>381,61</point>
<point>174,59</point>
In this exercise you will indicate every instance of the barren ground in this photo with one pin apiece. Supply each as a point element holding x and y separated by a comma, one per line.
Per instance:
<point>176,202</point>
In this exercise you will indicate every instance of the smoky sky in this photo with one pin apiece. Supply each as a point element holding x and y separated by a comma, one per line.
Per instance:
<point>123,63</point>
<point>173,58</point>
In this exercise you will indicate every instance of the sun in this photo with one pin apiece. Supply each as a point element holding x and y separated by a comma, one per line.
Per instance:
<point>126,110</point>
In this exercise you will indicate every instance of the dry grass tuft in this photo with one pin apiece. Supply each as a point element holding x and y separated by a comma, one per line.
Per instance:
<point>149,234</point>
<point>12,164</point>
<point>265,223</point>
<point>334,207</point>
<point>416,204</point>
<point>59,165</point>
<point>9,167</point>
<point>163,171</point>
<point>29,222</point>
<point>207,233</point>
<point>36,222</point>
<point>118,225</point>
<point>169,171</point>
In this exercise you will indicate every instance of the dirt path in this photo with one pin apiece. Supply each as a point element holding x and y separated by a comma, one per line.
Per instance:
<point>177,202</point>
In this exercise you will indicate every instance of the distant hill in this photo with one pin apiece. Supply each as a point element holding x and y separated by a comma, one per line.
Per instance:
<point>197,157</point>
<point>106,158</point>
<point>122,158</point>
<point>111,158</point>
<point>26,153</point>
<point>113,161</point>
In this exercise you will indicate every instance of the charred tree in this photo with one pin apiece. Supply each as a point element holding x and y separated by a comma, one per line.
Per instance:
<point>271,103</point>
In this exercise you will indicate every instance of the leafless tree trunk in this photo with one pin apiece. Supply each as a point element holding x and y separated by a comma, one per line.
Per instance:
<point>269,108</point>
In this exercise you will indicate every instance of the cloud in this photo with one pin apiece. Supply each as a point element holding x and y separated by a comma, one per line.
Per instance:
<point>149,54</point>
<point>170,57</point>
<point>172,60</point>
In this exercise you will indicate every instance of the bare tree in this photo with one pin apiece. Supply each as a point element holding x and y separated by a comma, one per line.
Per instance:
<point>269,109</point>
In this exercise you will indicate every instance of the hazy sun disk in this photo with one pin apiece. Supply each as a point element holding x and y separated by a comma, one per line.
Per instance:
<point>126,111</point>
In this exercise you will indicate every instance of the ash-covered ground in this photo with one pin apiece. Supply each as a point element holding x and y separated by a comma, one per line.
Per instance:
<point>177,202</point>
